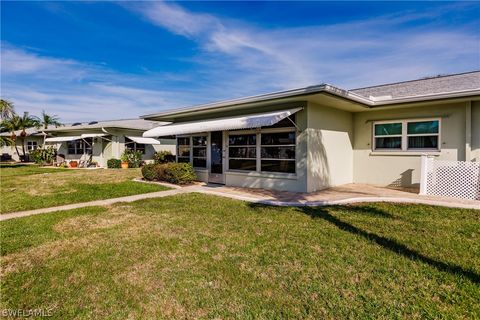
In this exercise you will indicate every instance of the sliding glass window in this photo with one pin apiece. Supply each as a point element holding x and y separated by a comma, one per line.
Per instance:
<point>242,152</point>
<point>278,152</point>
<point>199,145</point>
<point>183,149</point>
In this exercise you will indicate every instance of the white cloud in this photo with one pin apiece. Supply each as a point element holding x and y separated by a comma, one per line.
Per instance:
<point>348,54</point>
<point>18,62</point>
<point>237,59</point>
<point>76,91</point>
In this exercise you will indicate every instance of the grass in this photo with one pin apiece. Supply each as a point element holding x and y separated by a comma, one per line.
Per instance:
<point>28,187</point>
<point>11,170</point>
<point>198,256</point>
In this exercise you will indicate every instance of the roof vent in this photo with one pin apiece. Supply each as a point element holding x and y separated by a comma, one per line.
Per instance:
<point>93,122</point>
<point>380,98</point>
<point>76,124</point>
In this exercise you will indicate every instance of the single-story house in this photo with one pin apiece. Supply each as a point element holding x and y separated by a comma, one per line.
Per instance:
<point>32,141</point>
<point>99,141</point>
<point>312,138</point>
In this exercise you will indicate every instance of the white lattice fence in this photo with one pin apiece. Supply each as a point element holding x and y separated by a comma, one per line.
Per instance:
<point>458,179</point>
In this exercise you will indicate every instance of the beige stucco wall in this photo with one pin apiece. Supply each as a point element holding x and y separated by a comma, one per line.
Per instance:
<point>403,168</point>
<point>330,147</point>
<point>13,152</point>
<point>475,153</point>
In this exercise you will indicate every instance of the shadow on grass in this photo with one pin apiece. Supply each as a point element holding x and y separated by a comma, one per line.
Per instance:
<point>12,165</point>
<point>386,243</point>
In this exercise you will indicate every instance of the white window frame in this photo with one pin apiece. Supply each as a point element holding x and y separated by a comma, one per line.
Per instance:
<point>259,132</point>
<point>192,147</point>
<point>32,145</point>
<point>404,135</point>
<point>190,158</point>
<point>241,133</point>
<point>134,144</point>
<point>279,145</point>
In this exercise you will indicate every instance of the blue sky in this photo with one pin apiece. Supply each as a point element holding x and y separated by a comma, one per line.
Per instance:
<point>110,60</point>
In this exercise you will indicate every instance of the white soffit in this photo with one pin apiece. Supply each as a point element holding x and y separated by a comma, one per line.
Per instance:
<point>62,139</point>
<point>238,122</point>
<point>144,140</point>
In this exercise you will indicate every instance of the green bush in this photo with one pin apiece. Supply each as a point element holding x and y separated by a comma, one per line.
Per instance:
<point>154,172</point>
<point>163,157</point>
<point>114,163</point>
<point>134,158</point>
<point>43,155</point>
<point>179,173</point>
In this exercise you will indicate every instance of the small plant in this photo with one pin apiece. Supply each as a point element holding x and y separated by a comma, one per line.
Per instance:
<point>163,157</point>
<point>133,158</point>
<point>114,163</point>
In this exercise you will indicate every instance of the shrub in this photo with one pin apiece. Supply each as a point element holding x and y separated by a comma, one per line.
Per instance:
<point>114,163</point>
<point>163,157</point>
<point>154,172</point>
<point>134,158</point>
<point>43,155</point>
<point>179,173</point>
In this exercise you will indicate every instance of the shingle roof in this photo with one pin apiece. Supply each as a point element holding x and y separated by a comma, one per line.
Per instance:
<point>435,85</point>
<point>29,131</point>
<point>136,124</point>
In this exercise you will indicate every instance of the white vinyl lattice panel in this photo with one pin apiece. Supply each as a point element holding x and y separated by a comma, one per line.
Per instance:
<point>459,179</point>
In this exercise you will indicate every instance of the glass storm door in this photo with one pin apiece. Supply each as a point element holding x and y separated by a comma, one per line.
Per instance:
<point>216,157</point>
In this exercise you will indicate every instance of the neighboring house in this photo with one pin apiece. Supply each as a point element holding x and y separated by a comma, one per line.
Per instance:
<point>103,140</point>
<point>320,136</point>
<point>32,141</point>
<point>96,140</point>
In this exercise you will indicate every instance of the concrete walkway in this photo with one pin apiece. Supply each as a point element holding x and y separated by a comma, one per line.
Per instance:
<point>347,194</point>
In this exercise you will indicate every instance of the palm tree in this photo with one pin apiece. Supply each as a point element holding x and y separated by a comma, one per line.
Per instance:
<point>12,125</point>
<point>27,121</point>
<point>6,109</point>
<point>45,120</point>
<point>4,141</point>
<point>20,123</point>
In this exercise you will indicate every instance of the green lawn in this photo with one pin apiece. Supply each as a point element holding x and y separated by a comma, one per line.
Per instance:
<point>10,170</point>
<point>26,187</point>
<point>197,256</point>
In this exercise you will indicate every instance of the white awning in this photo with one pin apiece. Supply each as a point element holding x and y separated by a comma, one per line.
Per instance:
<point>237,122</point>
<point>62,139</point>
<point>144,140</point>
<point>92,135</point>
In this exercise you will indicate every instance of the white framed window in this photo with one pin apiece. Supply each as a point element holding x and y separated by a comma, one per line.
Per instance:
<point>269,150</point>
<point>199,151</point>
<point>277,151</point>
<point>406,135</point>
<point>242,151</point>
<point>183,149</point>
<point>133,146</point>
<point>81,146</point>
<point>32,145</point>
